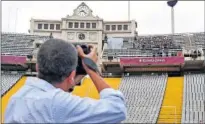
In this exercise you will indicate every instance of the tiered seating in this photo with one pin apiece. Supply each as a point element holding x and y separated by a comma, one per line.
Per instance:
<point>19,44</point>
<point>138,53</point>
<point>194,99</point>
<point>8,80</point>
<point>155,41</point>
<point>199,39</point>
<point>171,41</point>
<point>143,95</point>
<point>128,45</point>
<point>171,109</point>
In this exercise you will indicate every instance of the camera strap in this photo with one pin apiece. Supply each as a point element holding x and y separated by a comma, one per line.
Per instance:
<point>91,64</point>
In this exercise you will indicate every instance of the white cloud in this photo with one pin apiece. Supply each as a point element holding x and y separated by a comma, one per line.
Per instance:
<point>153,17</point>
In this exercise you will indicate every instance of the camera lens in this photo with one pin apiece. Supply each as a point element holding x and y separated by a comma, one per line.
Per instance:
<point>86,49</point>
<point>80,69</point>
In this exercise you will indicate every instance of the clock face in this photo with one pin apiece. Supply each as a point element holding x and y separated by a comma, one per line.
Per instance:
<point>81,36</point>
<point>83,10</point>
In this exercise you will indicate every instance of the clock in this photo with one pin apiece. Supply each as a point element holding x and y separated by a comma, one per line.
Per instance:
<point>83,10</point>
<point>81,36</point>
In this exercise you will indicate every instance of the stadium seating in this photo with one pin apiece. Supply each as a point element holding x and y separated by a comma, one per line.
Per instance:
<point>127,45</point>
<point>138,53</point>
<point>143,95</point>
<point>158,41</point>
<point>194,99</point>
<point>199,39</point>
<point>19,44</point>
<point>172,41</point>
<point>171,109</point>
<point>158,45</point>
<point>6,97</point>
<point>8,80</point>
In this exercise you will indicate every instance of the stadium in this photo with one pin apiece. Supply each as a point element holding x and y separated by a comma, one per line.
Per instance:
<point>161,76</point>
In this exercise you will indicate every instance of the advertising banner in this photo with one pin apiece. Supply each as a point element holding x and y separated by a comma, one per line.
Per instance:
<point>9,59</point>
<point>140,61</point>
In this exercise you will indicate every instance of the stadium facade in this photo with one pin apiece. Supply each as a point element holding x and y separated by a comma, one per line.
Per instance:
<point>83,27</point>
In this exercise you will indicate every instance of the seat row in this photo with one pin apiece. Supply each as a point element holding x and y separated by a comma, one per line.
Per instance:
<point>194,99</point>
<point>143,96</point>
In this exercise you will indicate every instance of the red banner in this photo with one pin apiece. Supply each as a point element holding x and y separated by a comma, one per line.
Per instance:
<point>139,69</point>
<point>141,61</point>
<point>9,59</point>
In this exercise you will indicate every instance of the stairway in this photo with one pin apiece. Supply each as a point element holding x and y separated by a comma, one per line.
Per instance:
<point>171,109</point>
<point>88,89</point>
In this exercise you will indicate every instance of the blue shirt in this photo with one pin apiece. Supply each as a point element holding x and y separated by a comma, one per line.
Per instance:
<point>40,102</point>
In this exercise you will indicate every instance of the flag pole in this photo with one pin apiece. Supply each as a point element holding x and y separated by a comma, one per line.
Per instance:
<point>128,9</point>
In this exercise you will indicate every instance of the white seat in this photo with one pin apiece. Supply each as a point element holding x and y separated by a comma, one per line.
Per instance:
<point>143,101</point>
<point>193,106</point>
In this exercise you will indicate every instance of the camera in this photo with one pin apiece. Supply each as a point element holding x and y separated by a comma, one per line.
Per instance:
<point>80,70</point>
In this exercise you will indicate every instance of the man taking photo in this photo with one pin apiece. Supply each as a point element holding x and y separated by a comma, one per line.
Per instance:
<point>45,98</point>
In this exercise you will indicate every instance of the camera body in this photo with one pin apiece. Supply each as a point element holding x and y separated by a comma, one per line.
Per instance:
<point>80,70</point>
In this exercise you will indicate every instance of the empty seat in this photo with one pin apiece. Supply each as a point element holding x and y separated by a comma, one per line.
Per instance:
<point>8,80</point>
<point>194,99</point>
<point>143,95</point>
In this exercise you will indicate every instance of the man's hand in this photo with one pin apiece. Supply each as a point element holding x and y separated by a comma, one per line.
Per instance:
<point>98,81</point>
<point>92,55</point>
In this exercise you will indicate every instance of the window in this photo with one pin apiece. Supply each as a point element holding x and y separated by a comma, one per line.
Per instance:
<point>39,26</point>
<point>57,26</point>
<point>113,27</point>
<point>119,27</point>
<point>107,27</point>
<point>125,27</point>
<point>70,25</point>
<point>82,25</point>
<point>93,25</point>
<point>76,25</point>
<point>52,26</point>
<point>87,25</point>
<point>45,26</point>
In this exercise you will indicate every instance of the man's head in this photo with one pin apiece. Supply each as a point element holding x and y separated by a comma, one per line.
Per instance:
<point>56,63</point>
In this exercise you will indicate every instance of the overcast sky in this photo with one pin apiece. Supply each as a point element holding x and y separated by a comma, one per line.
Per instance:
<point>153,17</point>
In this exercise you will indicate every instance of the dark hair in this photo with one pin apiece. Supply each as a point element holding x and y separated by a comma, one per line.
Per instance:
<point>56,59</point>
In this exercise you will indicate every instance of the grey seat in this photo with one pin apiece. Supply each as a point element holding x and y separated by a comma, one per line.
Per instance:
<point>193,99</point>
<point>8,80</point>
<point>143,95</point>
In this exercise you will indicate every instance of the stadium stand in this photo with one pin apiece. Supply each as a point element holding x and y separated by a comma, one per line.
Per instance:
<point>199,39</point>
<point>194,99</point>
<point>155,41</point>
<point>138,53</point>
<point>175,41</point>
<point>143,95</point>
<point>171,108</point>
<point>147,96</point>
<point>87,89</point>
<point>18,44</point>
<point>12,90</point>
<point>8,80</point>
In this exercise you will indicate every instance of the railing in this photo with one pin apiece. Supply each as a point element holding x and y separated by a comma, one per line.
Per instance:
<point>139,53</point>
